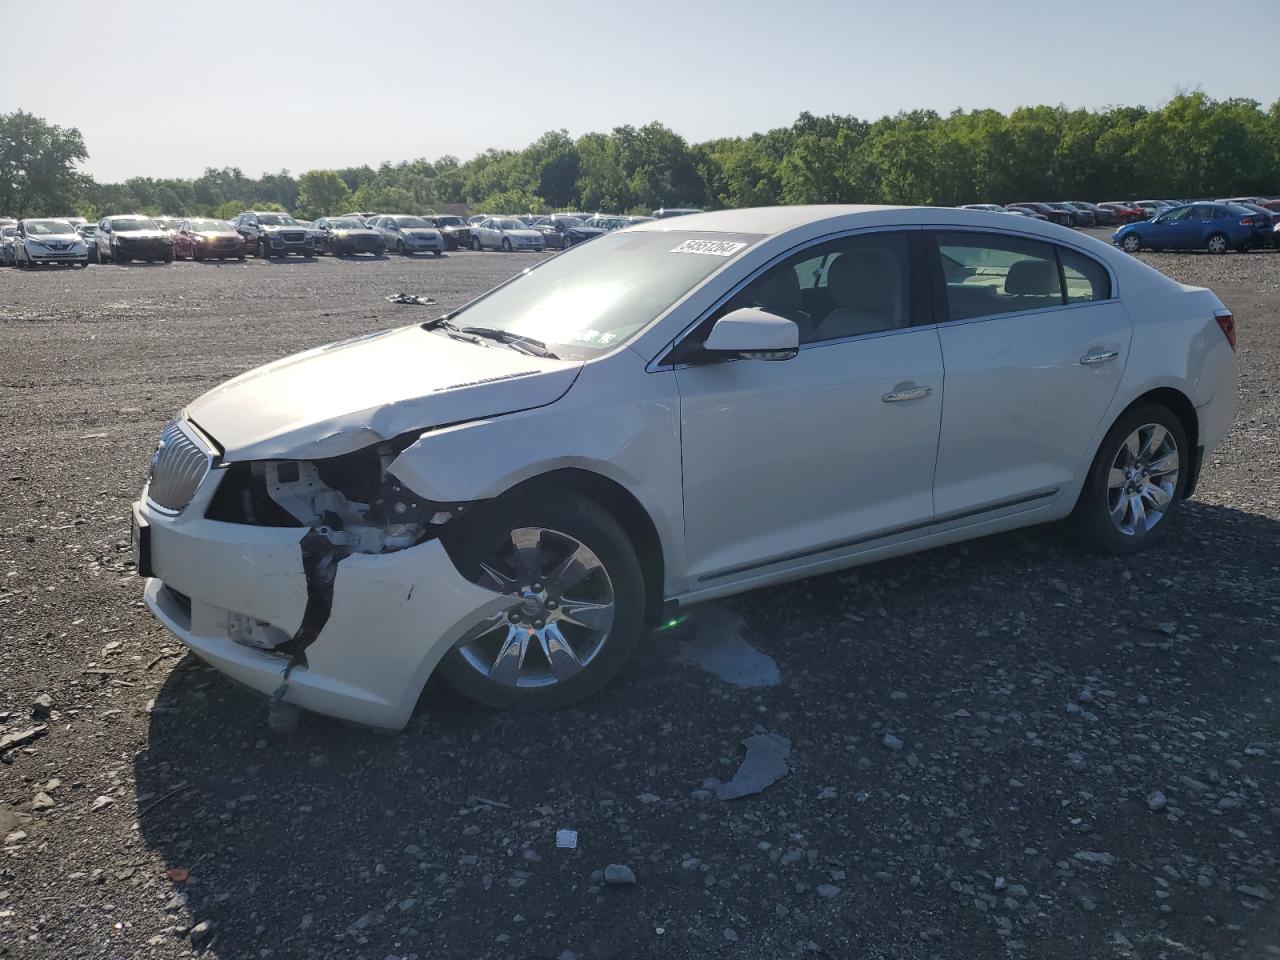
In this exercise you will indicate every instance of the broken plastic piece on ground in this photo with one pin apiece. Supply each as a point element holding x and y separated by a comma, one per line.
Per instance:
<point>412,298</point>
<point>567,839</point>
<point>282,718</point>
<point>719,647</point>
<point>765,764</point>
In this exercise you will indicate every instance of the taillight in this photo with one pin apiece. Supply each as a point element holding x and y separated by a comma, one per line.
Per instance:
<point>1247,222</point>
<point>1227,324</point>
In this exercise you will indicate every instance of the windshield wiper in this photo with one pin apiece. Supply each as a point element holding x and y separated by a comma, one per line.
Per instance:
<point>441,321</point>
<point>527,345</point>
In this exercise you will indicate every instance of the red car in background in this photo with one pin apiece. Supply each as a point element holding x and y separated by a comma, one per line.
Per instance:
<point>208,240</point>
<point>1124,212</point>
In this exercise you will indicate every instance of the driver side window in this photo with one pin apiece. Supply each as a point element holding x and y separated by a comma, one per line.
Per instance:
<point>843,288</point>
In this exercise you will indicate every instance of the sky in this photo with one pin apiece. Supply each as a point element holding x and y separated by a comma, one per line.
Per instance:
<point>168,89</point>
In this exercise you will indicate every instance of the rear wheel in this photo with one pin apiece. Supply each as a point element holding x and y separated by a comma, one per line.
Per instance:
<point>576,605</point>
<point>1135,483</point>
<point>1216,243</point>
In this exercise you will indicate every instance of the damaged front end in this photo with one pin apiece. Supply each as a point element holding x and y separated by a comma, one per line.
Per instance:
<point>347,505</point>
<point>322,583</point>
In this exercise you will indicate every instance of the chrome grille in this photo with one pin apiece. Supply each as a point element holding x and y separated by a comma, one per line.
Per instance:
<point>179,464</point>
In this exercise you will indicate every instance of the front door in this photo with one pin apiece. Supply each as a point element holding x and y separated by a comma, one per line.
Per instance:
<point>796,461</point>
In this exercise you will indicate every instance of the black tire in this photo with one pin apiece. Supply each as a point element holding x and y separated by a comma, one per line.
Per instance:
<point>119,257</point>
<point>475,244</point>
<point>168,257</point>
<point>400,248</point>
<point>506,245</point>
<point>264,251</point>
<point>1131,243</point>
<point>1090,522</point>
<point>1217,243</point>
<point>591,525</point>
<point>437,253</point>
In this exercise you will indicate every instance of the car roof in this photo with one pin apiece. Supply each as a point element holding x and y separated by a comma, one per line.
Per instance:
<point>772,221</point>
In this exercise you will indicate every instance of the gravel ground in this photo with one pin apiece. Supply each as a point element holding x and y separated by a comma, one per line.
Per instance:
<point>1007,747</point>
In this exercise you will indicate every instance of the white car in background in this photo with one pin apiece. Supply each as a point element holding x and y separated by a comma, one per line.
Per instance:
<point>674,412</point>
<point>39,242</point>
<point>506,233</point>
<point>8,234</point>
<point>407,235</point>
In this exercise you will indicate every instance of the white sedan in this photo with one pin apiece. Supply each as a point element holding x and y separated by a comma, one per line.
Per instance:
<point>38,242</point>
<point>506,233</point>
<point>676,411</point>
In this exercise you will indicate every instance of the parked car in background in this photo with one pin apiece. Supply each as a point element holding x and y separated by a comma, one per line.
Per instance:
<point>121,239</point>
<point>8,235</point>
<point>1124,212</point>
<point>268,233</point>
<point>1052,214</point>
<point>1152,207</point>
<point>208,239</point>
<point>8,222</point>
<point>561,231</point>
<point>1024,212</point>
<point>169,225</point>
<point>363,217</point>
<point>476,218</point>
<point>40,242</point>
<point>794,346</point>
<point>454,229</point>
<point>1079,218</point>
<point>988,207</point>
<point>506,233</point>
<point>347,236</point>
<point>407,235</point>
<point>1101,216</point>
<point>1264,216</point>
<point>1216,227</point>
<point>665,212</point>
<point>1273,205</point>
<point>86,231</point>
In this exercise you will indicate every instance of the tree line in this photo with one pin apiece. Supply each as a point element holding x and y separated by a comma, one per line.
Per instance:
<point>1193,146</point>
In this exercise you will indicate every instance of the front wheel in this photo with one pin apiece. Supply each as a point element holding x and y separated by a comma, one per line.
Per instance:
<point>1132,243</point>
<point>575,612</point>
<point>1217,243</point>
<point>1135,483</point>
<point>475,244</point>
<point>506,245</point>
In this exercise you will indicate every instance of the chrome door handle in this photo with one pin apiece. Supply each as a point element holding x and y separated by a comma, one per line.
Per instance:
<point>1099,357</point>
<point>915,393</point>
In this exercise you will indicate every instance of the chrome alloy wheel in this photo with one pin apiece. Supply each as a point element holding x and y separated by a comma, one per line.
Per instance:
<point>561,613</point>
<point>1143,479</point>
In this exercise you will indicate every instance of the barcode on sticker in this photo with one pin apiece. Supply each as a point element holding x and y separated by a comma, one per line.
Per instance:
<point>567,839</point>
<point>716,248</point>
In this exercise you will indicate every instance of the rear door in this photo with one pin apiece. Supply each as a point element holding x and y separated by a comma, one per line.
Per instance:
<point>1034,343</point>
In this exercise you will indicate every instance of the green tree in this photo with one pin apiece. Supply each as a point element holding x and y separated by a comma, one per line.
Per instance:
<point>380,199</point>
<point>322,193</point>
<point>37,166</point>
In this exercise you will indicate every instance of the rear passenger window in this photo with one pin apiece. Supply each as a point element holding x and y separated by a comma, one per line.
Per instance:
<point>989,274</point>
<point>1085,278</point>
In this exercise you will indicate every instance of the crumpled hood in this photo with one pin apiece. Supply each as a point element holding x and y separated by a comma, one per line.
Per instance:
<point>345,396</point>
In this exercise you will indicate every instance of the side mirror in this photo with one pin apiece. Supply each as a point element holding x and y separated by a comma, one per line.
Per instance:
<point>754,334</point>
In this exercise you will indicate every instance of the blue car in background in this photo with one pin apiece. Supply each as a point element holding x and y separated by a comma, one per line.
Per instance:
<point>1216,227</point>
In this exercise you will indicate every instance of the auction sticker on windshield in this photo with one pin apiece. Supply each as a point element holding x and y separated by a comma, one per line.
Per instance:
<point>717,248</point>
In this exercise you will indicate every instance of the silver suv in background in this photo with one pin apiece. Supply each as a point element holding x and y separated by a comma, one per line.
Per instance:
<point>269,233</point>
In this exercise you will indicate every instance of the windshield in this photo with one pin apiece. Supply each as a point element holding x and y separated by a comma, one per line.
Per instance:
<point>412,222</point>
<point>347,225</point>
<point>449,221</point>
<point>509,224</point>
<point>133,223</point>
<point>210,226</point>
<point>277,220</point>
<point>39,228</point>
<point>602,293</point>
<point>168,223</point>
<point>570,221</point>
